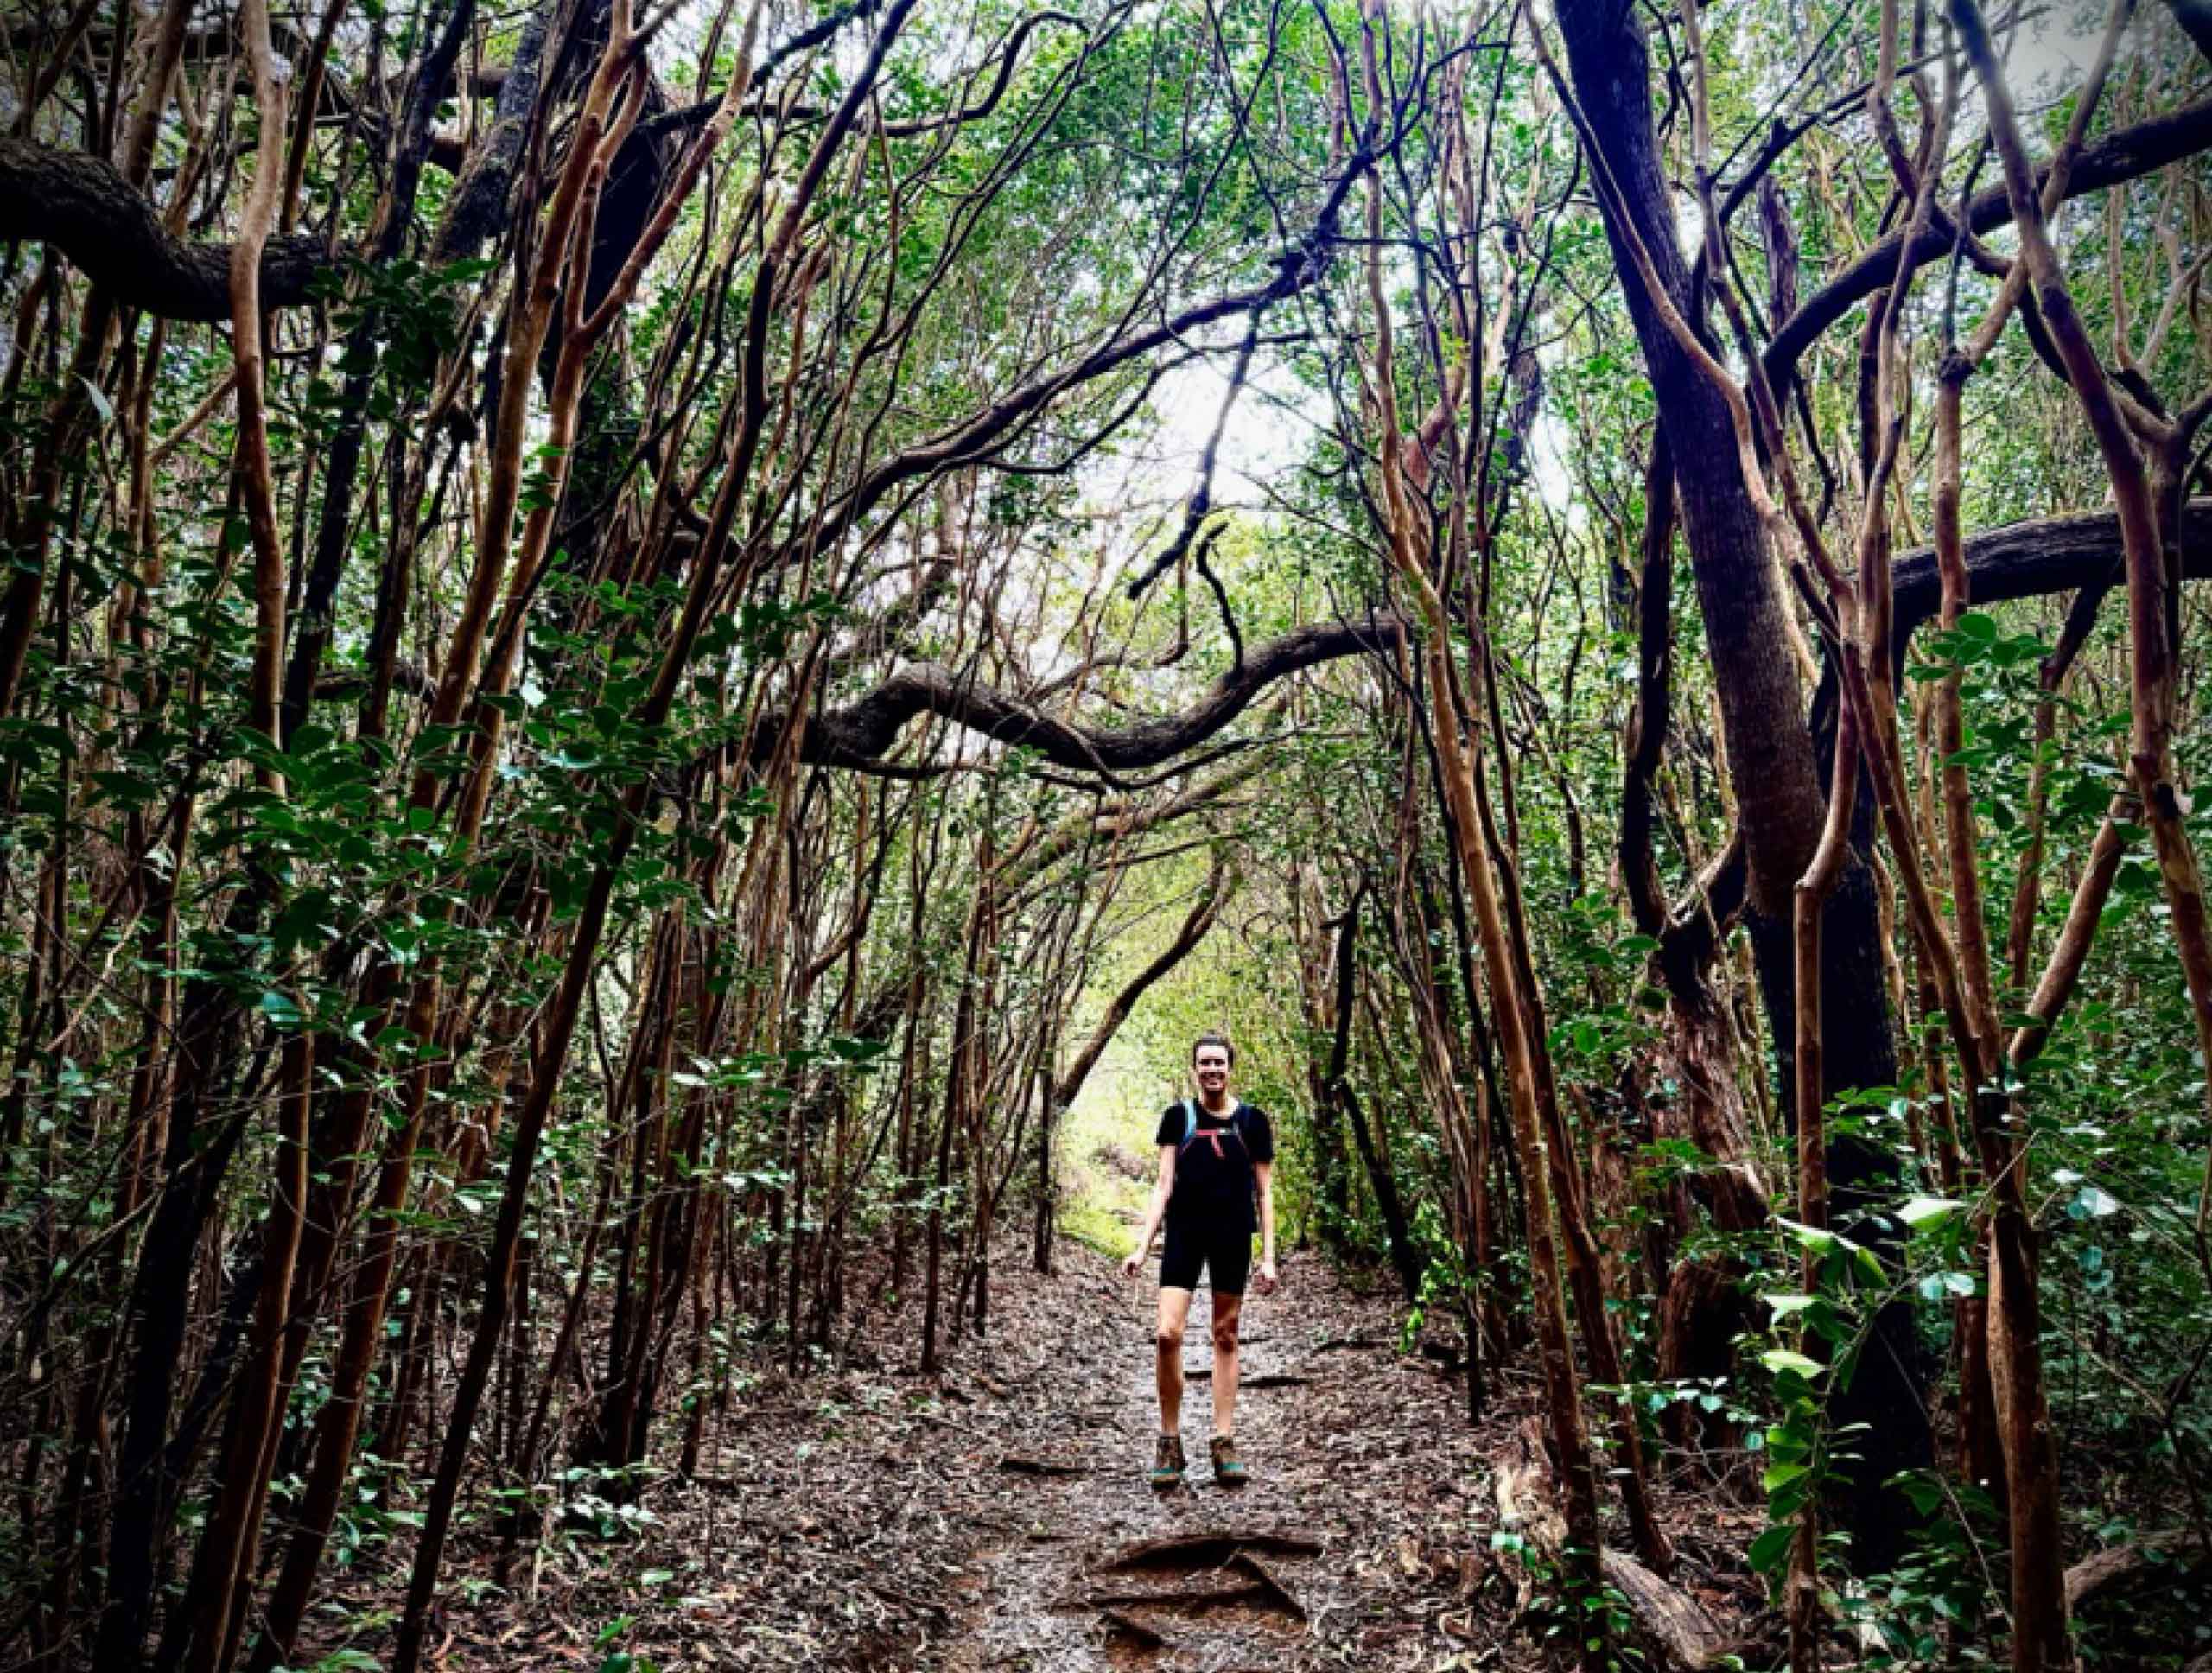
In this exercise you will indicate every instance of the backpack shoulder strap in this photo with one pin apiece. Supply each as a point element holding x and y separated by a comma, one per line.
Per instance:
<point>1190,1124</point>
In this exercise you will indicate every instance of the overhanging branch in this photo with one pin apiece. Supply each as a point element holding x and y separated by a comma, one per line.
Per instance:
<point>2033,559</point>
<point>860,736</point>
<point>81,206</point>
<point>2118,158</point>
<point>1211,898</point>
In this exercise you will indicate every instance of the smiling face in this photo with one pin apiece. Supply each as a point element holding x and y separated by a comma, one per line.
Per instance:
<point>1211,1063</point>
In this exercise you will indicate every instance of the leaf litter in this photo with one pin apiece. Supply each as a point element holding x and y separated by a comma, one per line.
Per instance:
<point>998,1516</point>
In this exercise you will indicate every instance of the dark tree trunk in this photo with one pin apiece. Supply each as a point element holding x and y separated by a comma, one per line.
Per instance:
<point>193,1164</point>
<point>1771,755</point>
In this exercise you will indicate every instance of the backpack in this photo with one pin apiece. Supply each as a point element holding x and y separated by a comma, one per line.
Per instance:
<point>1191,1125</point>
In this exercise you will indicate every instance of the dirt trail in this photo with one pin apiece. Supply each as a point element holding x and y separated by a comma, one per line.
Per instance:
<point>1352,1448</point>
<point>868,1519</point>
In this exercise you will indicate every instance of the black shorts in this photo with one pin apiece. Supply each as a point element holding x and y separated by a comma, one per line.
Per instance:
<point>1226,1255</point>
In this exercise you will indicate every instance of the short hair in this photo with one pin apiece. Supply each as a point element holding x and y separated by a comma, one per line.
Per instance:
<point>1206,1040</point>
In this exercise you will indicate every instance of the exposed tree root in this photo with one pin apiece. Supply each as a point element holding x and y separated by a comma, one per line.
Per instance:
<point>1272,1379</point>
<point>1203,1550</point>
<point>1672,1624</point>
<point>1196,1597</point>
<point>1271,1583</point>
<point>1131,1629</point>
<point>1014,1464</point>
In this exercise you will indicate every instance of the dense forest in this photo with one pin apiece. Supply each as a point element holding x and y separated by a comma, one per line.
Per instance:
<point>656,659</point>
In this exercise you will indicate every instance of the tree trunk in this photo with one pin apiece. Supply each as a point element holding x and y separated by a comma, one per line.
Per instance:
<point>1774,770</point>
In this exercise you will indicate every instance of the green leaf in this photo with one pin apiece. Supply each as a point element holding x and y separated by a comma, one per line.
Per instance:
<point>613,1630</point>
<point>1769,1552</point>
<point>1812,1237</point>
<point>2093,1202</point>
<point>1781,1359</point>
<point>1923,1212</point>
<point>281,1009</point>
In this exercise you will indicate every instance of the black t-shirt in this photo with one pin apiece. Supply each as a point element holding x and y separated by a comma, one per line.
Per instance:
<point>1215,1186</point>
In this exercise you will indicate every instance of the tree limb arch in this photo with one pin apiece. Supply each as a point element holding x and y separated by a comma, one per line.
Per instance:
<point>81,206</point>
<point>2043,555</point>
<point>860,736</point>
<point>2126,154</point>
<point>1212,897</point>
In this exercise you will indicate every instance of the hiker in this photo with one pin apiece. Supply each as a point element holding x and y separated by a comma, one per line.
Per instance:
<point>1217,1159</point>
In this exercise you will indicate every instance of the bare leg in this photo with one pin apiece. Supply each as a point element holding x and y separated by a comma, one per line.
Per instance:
<point>1227,1309</point>
<point>1167,1357</point>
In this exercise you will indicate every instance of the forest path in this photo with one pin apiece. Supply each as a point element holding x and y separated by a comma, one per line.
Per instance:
<point>869,1520</point>
<point>1352,1545</point>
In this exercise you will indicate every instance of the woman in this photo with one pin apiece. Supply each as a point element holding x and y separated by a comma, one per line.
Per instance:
<point>1216,1163</point>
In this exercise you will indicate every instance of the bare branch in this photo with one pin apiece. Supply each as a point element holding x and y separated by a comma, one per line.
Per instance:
<point>2035,559</point>
<point>2117,158</point>
<point>860,736</point>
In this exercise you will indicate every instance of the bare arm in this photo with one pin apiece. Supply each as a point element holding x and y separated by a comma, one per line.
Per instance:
<point>1155,1212</point>
<point>1264,1172</point>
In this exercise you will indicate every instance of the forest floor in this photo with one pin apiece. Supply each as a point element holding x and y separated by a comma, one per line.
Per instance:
<point>869,1518</point>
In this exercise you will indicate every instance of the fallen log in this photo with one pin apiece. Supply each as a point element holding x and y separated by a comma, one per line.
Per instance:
<point>1670,1618</point>
<point>1205,1551</point>
<point>2123,1566</point>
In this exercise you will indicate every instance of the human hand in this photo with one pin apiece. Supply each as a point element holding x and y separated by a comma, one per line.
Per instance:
<point>1133,1265</point>
<point>1269,1278</point>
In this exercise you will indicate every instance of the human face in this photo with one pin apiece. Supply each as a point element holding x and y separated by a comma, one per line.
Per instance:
<point>1212,1065</point>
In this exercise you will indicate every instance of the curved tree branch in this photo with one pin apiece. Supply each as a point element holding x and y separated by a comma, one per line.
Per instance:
<point>2043,555</point>
<point>2118,157</point>
<point>1293,269</point>
<point>2194,17</point>
<point>81,206</point>
<point>859,736</point>
<point>1105,826</point>
<point>688,117</point>
<point>1211,898</point>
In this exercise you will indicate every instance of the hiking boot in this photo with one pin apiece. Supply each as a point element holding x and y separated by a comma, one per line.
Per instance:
<point>1228,1468</point>
<point>1167,1461</point>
